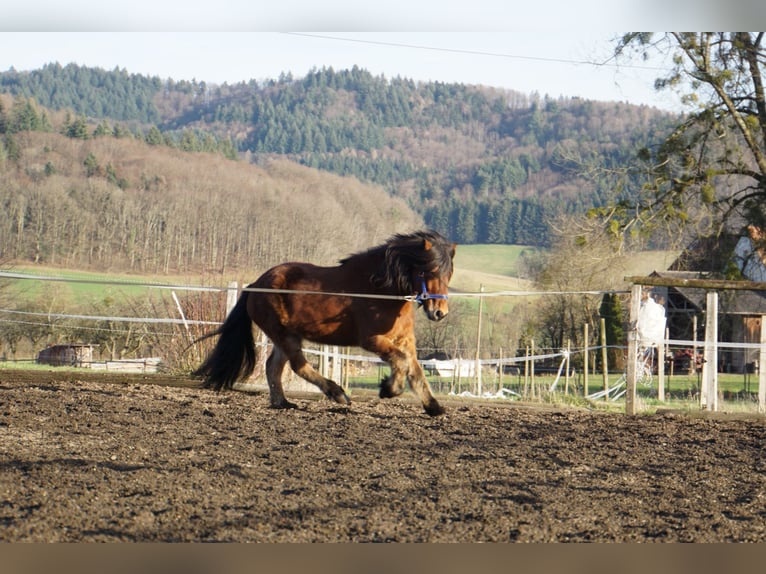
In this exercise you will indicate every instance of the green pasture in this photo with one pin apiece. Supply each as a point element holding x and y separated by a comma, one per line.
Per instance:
<point>76,288</point>
<point>493,266</point>
<point>492,259</point>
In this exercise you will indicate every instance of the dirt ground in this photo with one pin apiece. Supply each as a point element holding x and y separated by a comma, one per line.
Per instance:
<point>116,458</point>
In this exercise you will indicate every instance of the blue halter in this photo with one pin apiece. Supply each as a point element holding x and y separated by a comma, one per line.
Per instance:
<point>424,295</point>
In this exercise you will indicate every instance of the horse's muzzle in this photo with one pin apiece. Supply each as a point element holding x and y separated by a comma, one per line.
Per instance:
<point>436,314</point>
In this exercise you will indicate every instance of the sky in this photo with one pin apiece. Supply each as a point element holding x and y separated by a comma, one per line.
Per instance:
<point>554,64</point>
<point>552,47</point>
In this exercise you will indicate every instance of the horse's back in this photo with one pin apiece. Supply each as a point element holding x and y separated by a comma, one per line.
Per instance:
<point>310,302</point>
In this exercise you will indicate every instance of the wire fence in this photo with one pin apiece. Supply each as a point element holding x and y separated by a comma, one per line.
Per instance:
<point>525,373</point>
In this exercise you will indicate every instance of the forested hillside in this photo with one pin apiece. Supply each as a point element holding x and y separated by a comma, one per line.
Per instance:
<point>120,204</point>
<point>480,164</point>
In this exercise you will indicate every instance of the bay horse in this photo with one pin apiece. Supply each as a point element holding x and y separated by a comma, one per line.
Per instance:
<point>368,300</point>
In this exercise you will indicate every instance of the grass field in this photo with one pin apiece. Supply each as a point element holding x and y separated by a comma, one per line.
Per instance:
<point>86,287</point>
<point>494,266</point>
<point>494,259</point>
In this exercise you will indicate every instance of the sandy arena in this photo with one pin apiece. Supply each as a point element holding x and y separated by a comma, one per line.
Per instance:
<point>115,458</point>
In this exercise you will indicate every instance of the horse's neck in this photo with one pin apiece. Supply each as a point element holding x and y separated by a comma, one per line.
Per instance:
<point>366,270</point>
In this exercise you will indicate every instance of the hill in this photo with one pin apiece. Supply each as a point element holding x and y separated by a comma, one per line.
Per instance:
<point>120,204</point>
<point>480,164</point>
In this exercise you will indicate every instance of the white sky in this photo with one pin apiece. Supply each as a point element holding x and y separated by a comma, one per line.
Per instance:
<point>549,63</point>
<point>238,40</point>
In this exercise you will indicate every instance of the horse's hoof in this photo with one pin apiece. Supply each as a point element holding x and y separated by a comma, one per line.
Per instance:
<point>283,405</point>
<point>342,399</point>
<point>387,390</point>
<point>434,409</point>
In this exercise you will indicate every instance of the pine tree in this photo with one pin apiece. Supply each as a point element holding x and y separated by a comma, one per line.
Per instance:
<point>611,312</point>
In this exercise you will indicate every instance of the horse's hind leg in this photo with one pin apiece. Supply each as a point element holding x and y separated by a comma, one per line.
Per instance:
<point>303,369</point>
<point>275,365</point>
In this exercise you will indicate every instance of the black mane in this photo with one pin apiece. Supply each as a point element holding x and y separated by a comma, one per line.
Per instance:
<point>403,257</point>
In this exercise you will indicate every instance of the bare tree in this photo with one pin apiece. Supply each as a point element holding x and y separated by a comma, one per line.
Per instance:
<point>710,171</point>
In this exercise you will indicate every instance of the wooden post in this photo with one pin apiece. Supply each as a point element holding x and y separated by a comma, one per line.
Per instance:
<point>566,366</point>
<point>604,362</point>
<point>532,370</point>
<point>336,368</point>
<point>709,394</point>
<point>478,344</point>
<point>762,369</point>
<point>693,364</point>
<point>232,294</point>
<point>500,374</point>
<point>630,393</point>
<point>346,368</point>
<point>324,361</point>
<point>585,358</point>
<point>661,369</point>
<point>526,372</point>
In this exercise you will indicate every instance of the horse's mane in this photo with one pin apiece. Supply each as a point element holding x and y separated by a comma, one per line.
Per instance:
<point>403,256</point>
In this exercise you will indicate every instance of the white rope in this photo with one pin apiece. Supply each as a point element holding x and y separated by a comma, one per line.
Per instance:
<point>452,294</point>
<point>113,318</point>
<point>10,275</point>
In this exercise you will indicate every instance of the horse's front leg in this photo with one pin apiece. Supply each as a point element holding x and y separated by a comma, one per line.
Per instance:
<point>404,364</point>
<point>393,385</point>
<point>383,347</point>
<point>417,379</point>
<point>419,384</point>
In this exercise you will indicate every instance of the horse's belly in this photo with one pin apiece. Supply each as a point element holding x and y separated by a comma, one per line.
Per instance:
<point>328,334</point>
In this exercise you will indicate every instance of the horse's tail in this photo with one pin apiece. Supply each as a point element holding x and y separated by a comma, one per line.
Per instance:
<point>233,356</point>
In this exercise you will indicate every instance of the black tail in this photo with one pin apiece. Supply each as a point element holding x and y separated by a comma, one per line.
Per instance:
<point>233,357</point>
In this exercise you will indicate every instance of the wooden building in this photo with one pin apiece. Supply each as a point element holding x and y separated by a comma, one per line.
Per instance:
<point>70,355</point>
<point>740,312</point>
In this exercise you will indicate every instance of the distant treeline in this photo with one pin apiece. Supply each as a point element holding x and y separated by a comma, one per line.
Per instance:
<point>480,164</point>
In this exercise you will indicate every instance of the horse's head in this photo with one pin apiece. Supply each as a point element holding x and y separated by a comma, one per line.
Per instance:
<point>432,281</point>
<point>419,266</point>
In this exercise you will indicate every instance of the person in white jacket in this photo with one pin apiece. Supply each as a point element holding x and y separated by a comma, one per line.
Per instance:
<point>651,322</point>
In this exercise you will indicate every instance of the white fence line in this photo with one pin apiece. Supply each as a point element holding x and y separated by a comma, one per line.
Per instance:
<point>498,362</point>
<point>111,318</point>
<point>452,294</point>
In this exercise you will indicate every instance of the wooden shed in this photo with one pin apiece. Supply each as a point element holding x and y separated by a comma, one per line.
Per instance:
<point>740,311</point>
<point>68,354</point>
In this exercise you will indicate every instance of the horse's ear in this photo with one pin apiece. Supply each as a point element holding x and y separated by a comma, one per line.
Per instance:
<point>453,248</point>
<point>427,245</point>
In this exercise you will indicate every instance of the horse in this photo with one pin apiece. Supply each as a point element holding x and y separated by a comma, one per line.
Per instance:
<point>368,300</point>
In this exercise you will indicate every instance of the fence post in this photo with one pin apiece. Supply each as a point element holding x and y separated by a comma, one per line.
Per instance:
<point>630,392</point>
<point>604,360</point>
<point>232,294</point>
<point>336,371</point>
<point>709,391</point>
<point>693,364</point>
<point>566,366</point>
<point>585,358</point>
<point>762,369</point>
<point>526,372</point>
<point>661,369</point>
<point>532,371</point>
<point>478,344</point>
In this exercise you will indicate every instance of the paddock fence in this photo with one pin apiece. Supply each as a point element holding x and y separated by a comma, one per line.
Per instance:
<point>523,374</point>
